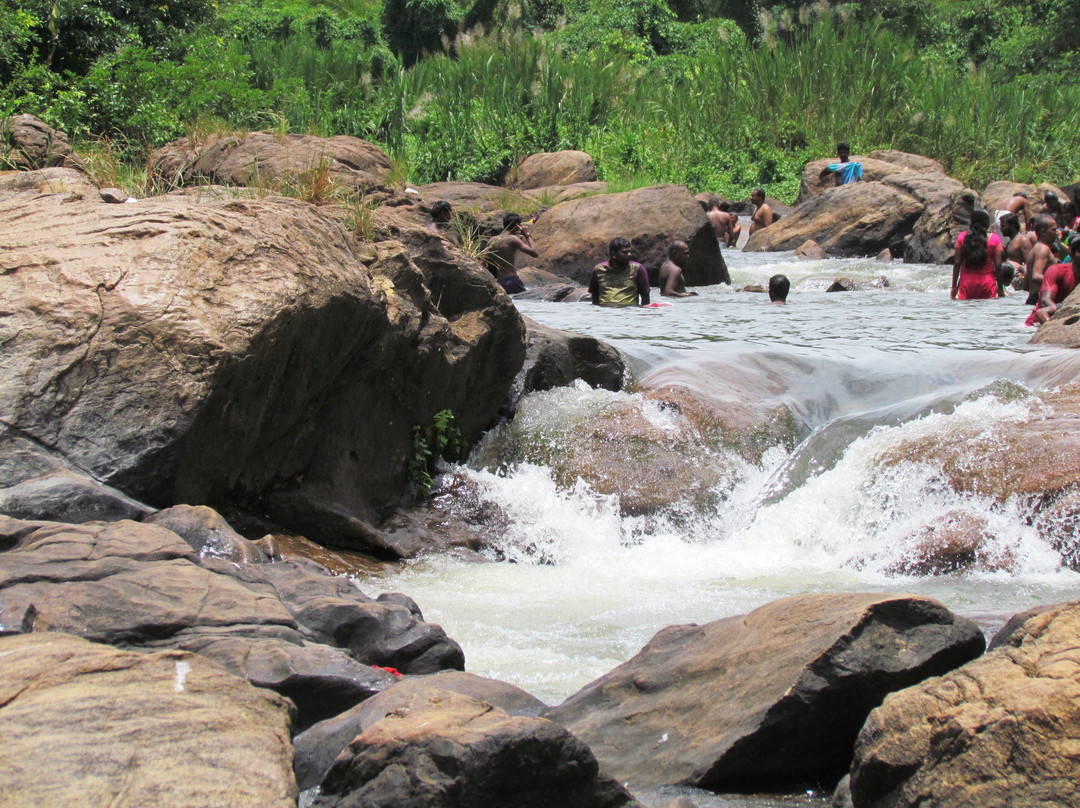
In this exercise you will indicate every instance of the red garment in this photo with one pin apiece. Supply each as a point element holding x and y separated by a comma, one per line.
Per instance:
<point>1059,281</point>
<point>978,283</point>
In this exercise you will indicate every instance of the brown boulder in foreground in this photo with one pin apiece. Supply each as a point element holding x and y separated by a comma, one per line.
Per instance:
<point>1000,732</point>
<point>89,725</point>
<point>440,749</point>
<point>774,696</point>
<point>573,237</point>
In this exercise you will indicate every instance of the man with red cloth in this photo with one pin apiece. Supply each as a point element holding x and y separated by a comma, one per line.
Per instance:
<point>1058,282</point>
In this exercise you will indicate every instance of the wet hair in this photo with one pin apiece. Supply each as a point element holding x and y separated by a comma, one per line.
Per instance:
<point>1021,193</point>
<point>511,220</point>
<point>758,191</point>
<point>973,250</point>
<point>1010,221</point>
<point>617,243</point>
<point>704,204</point>
<point>714,202</point>
<point>1074,243</point>
<point>1008,272</point>
<point>1050,196</point>
<point>441,208</point>
<point>778,287</point>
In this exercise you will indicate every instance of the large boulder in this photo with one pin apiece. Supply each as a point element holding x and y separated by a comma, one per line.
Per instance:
<point>860,218</point>
<point>774,696</point>
<point>812,183</point>
<point>287,625</point>
<point>933,240</point>
<point>555,358</point>
<point>554,194</point>
<point>999,732</point>
<point>242,350</point>
<point>552,168</point>
<point>1063,327</point>
<point>573,237</point>
<point>915,162</point>
<point>86,724</point>
<point>303,164</point>
<point>317,747</point>
<point>486,203</point>
<point>440,749</point>
<point>28,143</point>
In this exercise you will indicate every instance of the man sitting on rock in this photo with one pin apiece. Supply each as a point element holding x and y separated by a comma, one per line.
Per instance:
<point>672,283</point>
<point>779,286</point>
<point>763,213</point>
<point>619,281</point>
<point>845,171</point>
<point>1057,283</point>
<point>502,252</point>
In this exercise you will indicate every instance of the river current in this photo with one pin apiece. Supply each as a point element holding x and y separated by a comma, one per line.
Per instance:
<point>861,371</point>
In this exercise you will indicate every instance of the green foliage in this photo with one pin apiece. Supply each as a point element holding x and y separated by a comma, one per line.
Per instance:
<point>638,29</point>
<point>415,26</point>
<point>440,441</point>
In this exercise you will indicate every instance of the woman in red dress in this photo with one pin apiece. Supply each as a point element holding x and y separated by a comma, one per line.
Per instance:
<point>976,271</point>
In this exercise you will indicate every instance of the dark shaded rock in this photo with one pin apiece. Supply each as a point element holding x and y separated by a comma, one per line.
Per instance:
<point>1000,731</point>
<point>858,284</point>
<point>556,293</point>
<point>1016,628</point>
<point>271,161</point>
<point>555,358</point>
<point>933,239</point>
<point>573,237</point>
<point>65,497</point>
<point>28,143</point>
<point>317,747</point>
<point>86,724</point>
<point>884,256</point>
<point>774,696</point>
<point>440,748</point>
<point>552,168</point>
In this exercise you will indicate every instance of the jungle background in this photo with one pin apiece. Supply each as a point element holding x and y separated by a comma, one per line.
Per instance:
<point>719,95</point>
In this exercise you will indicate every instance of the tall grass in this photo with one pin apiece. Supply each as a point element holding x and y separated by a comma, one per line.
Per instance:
<point>726,120</point>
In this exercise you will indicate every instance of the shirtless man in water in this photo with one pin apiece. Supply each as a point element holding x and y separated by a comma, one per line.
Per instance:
<point>503,249</point>
<point>763,213</point>
<point>1040,257</point>
<point>1018,205</point>
<point>672,283</point>
<point>722,221</point>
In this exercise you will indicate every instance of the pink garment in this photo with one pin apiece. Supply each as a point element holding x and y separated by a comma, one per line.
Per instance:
<point>978,283</point>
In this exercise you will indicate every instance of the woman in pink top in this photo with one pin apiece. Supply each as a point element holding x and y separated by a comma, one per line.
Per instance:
<point>976,271</point>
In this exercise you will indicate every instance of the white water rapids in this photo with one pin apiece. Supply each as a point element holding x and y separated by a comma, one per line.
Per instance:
<point>862,371</point>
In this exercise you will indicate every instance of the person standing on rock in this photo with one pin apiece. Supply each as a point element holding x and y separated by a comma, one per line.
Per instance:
<point>1018,205</point>
<point>502,252</point>
<point>763,212</point>
<point>1057,283</point>
<point>671,280</point>
<point>846,171</point>
<point>1041,256</point>
<point>977,264</point>
<point>619,281</point>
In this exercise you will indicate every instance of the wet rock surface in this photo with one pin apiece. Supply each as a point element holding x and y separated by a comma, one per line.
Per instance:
<point>1000,731</point>
<point>86,724</point>
<point>776,695</point>
<point>439,748</point>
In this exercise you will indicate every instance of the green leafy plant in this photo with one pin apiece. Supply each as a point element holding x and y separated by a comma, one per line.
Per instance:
<point>439,441</point>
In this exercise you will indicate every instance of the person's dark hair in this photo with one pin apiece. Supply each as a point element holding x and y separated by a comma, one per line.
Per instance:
<point>759,191</point>
<point>973,251</point>
<point>1008,273</point>
<point>779,286</point>
<point>1043,222</point>
<point>843,145</point>
<point>675,245</point>
<point>440,209</point>
<point>1021,193</point>
<point>704,204</point>
<point>617,243</point>
<point>1074,243</point>
<point>725,207</point>
<point>1069,211</point>
<point>511,220</point>
<point>1009,221</point>
<point>1050,196</point>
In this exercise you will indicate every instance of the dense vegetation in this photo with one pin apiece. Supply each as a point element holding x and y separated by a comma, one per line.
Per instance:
<point>721,95</point>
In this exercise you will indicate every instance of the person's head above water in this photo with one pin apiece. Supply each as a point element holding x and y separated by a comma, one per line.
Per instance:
<point>779,286</point>
<point>619,250</point>
<point>678,252</point>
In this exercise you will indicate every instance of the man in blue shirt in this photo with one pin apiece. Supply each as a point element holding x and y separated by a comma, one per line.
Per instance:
<point>845,171</point>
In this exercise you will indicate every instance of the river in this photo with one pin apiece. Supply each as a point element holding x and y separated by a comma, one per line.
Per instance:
<point>861,371</point>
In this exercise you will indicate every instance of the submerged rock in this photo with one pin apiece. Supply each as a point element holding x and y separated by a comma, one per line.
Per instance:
<point>775,696</point>
<point>1000,731</point>
<point>86,724</point>
<point>439,748</point>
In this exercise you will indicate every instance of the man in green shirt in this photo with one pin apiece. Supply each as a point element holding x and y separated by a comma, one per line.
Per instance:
<point>619,281</point>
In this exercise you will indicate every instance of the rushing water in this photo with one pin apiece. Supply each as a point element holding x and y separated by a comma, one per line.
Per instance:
<point>862,371</point>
